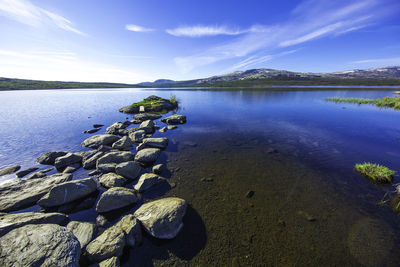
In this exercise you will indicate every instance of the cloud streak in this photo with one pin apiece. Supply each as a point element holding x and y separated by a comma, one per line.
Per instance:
<point>27,13</point>
<point>137,28</point>
<point>201,30</point>
<point>384,61</point>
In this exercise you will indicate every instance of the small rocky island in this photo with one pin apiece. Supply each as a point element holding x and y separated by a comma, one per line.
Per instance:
<point>119,166</point>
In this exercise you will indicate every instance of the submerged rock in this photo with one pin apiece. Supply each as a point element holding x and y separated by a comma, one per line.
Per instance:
<point>101,139</point>
<point>115,198</point>
<point>68,159</point>
<point>148,155</point>
<point>50,157</point>
<point>175,119</point>
<point>111,179</point>
<point>22,193</point>
<point>9,222</point>
<point>67,192</point>
<point>39,245</point>
<point>84,231</point>
<point>9,170</point>
<point>162,218</point>
<point>22,173</point>
<point>129,170</point>
<point>148,180</point>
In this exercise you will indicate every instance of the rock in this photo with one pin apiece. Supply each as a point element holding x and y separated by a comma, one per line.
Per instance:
<point>78,205</point>
<point>47,170</point>
<point>147,126</point>
<point>129,109</point>
<point>161,142</point>
<point>136,122</point>
<point>148,180</point>
<point>84,231</point>
<point>111,179</point>
<point>150,104</point>
<point>115,198</point>
<point>146,116</point>
<point>101,139</point>
<point>35,175</point>
<point>123,143</point>
<point>109,161</point>
<point>9,170</point>
<point>89,161</point>
<point>94,130</point>
<point>163,130</point>
<point>250,194</point>
<point>162,218</point>
<point>68,159</point>
<point>175,119</point>
<point>101,220</point>
<point>72,168</point>
<point>50,157</point>
<point>23,193</point>
<point>131,227</point>
<point>115,127</point>
<point>9,222</point>
<point>39,245</point>
<point>98,125</point>
<point>67,192</point>
<point>158,169</point>
<point>148,155</point>
<point>22,173</point>
<point>111,262</point>
<point>95,172</point>
<point>172,127</point>
<point>207,179</point>
<point>129,170</point>
<point>137,136</point>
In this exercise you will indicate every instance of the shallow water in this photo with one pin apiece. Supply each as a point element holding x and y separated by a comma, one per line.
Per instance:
<point>293,149</point>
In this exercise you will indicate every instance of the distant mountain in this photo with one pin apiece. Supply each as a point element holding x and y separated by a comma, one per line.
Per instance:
<point>259,77</point>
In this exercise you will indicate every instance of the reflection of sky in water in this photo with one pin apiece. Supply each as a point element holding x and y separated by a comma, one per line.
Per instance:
<point>34,122</point>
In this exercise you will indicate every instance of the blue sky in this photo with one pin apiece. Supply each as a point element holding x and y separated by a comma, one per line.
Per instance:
<point>135,41</point>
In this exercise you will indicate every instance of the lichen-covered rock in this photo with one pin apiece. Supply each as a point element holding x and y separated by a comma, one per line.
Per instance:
<point>67,192</point>
<point>129,170</point>
<point>39,245</point>
<point>9,222</point>
<point>148,180</point>
<point>22,173</point>
<point>115,198</point>
<point>68,159</point>
<point>89,161</point>
<point>23,193</point>
<point>162,218</point>
<point>100,139</point>
<point>123,143</point>
<point>50,157</point>
<point>84,231</point>
<point>9,170</point>
<point>147,155</point>
<point>111,262</point>
<point>111,179</point>
<point>137,136</point>
<point>175,119</point>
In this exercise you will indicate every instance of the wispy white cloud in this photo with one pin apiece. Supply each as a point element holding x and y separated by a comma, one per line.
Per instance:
<point>382,61</point>
<point>137,28</point>
<point>256,59</point>
<point>201,30</point>
<point>27,13</point>
<point>310,20</point>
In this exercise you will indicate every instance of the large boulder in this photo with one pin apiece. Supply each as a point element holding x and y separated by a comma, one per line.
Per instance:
<point>146,116</point>
<point>23,193</point>
<point>68,159</point>
<point>112,179</point>
<point>151,104</point>
<point>148,180</point>
<point>9,170</point>
<point>130,169</point>
<point>123,143</point>
<point>175,119</point>
<point>161,142</point>
<point>109,161</point>
<point>84,231</point>
<point>147,155</point>
<point>67,192</point>
<point>49,158</point>
<point>162,218</point>
<point>39,245</point>
<point>9,222</point>
<point>115,198</point>
<point>100,139</point>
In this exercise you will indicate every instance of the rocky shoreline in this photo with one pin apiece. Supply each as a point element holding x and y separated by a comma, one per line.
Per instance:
<point>50,238</point>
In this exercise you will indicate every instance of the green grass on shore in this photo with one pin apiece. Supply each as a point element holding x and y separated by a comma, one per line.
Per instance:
<point>377,173</point>
<point>385,102</point>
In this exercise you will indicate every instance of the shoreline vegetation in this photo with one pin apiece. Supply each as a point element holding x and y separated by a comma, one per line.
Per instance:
<point>385,102</point>
<point>376,173</point>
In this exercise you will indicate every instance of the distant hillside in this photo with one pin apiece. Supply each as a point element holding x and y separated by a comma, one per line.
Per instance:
<point>20,84</point>
<point>271,77</point>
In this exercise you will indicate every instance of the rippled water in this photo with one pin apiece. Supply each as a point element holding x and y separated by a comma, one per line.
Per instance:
<point>293,149</point>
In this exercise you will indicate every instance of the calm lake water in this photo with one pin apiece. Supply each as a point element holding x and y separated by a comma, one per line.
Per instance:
<point>293,149</point>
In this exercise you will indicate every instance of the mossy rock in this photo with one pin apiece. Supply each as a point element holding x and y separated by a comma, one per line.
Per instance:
<point>152,104</point>
<point>376,173</point>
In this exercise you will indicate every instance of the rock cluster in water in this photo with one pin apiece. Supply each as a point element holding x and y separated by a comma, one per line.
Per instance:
<point>50,238</point>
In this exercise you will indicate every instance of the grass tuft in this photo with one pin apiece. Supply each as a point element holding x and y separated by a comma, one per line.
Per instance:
<point>385,102</point>
<point>377,173</point>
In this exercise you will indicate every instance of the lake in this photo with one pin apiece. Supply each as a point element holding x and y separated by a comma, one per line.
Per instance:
<point>293,149</point>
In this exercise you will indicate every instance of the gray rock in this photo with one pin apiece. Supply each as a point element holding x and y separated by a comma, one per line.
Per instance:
<point>89,161</point>
<point>72,168</point>
<point>158,169</point>
<point>35,175</point>
<point>101,139</point>
<point>75,206</point>
<point>115,198</point>
<point>163,130</point>
<point>111,179</point>
<point>68,159</point>
<point>84,231</point>
<point>109,161</point>
<point>123,143</point>
<point>172,127</point>
<point>9,170</point>
<point>67,192</point>
<point>22,193</point>
<point>147,126</point>
<point>115,127</point>
<point>50,157</point>
<point>146,116</point>
<point>10,222</point>
<point>129,170</point>
<point>129,109</point>
<point>94,130</point>
<point>162,218</point>
<point>101,220</point>
<point>39,245</point>
<point>175,119</point>
<point>148,180</point>
<point>98,125</point>
<point>148,155</point>
<point>131,227</point>
<point>47,170</point>
<point>137,136</point>
<point>161,142</point>
<point>111,262</point>
<point>22,173</point>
